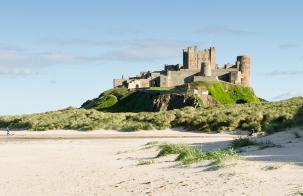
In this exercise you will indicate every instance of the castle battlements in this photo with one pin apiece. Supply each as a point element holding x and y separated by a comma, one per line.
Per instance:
<point>198,65</point>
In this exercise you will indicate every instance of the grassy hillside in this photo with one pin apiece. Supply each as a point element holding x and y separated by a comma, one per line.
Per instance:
<point>226,93</point>
<point>265,116</point>
<point>124,100</point>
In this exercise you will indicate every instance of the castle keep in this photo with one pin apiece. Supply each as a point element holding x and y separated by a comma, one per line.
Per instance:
<point>198,65</point>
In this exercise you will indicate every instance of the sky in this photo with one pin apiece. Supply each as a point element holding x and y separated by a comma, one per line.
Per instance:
<point>60,53</point>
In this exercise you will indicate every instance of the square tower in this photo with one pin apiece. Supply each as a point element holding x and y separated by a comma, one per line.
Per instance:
<point>193,58</point>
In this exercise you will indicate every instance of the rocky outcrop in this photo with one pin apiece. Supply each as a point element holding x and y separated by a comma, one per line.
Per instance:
<point>174,101</point>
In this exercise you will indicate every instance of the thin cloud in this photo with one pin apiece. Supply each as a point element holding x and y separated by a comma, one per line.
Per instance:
<point>224,30</point>
<point>129,50</point>
<point>146,50</point>
<point>123,31</point>
<point>285,95</point>
<point>288,46</point>
<point>72,42</point>
<point>284,73</point>
<point>123,51</point>
<point>15,72</point>
<point>8,47</point>
<point>19,63</point>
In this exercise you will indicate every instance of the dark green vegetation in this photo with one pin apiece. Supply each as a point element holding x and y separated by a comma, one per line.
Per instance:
<point>269,117</point>
<point>168,98</point>
<point>243,142</point>
<point>188,154</point>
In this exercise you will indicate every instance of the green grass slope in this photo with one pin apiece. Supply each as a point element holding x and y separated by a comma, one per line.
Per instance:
<point>122,100</point>
<point>226,93</point>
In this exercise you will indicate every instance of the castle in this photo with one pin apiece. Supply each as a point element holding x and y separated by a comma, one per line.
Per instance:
<point>197,66</point>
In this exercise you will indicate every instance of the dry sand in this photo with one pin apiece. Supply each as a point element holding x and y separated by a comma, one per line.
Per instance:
<point>106,163</point>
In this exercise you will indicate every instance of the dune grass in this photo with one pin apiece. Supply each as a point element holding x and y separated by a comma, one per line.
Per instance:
<point>145,162</point>
<point>243,142</point>
<point>267,144</point>
<point>188,154</point>
<point>268,117</point>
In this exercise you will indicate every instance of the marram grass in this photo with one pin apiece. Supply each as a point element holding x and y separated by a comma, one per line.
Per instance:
<point>269,117</point>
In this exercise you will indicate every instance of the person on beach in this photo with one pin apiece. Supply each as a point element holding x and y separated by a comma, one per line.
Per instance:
<point>7,131</point>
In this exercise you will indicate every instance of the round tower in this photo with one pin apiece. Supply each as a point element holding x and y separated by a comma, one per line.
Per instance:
<point>206,69</point>
<point>244,68</point>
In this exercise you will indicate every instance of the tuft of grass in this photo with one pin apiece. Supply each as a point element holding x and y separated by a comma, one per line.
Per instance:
<point>272,167</point>
<point>267,144</point>
<point>161,88</point>
<point>298,193</point>
<point>297,135</point>
<point>151,144</point>
<point>188,154</point>
<point>242,142</point>
<point>146,162</point>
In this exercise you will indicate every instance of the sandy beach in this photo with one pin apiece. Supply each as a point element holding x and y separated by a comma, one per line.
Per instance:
<point>106,163</point>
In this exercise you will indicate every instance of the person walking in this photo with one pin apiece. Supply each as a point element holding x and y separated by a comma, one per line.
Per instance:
<point>7,131</point>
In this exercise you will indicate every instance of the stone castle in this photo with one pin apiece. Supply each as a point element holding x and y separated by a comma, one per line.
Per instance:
<point>197,66</point>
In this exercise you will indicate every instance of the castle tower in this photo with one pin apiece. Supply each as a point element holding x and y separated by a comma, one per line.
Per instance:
<point>206,69</point>
<point>212,57</point>
<point>244,68</point>
<point>193,58</point>
<point>190,58</point>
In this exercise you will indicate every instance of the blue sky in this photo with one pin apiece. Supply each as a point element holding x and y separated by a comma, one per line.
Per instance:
<point>55,54</point>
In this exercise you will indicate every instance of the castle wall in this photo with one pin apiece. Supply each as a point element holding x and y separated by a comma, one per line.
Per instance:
<point>174,78</point>
<point>205,78</point>
<point>138,83</point>
<point>118,82</point>
<point>235,77</point>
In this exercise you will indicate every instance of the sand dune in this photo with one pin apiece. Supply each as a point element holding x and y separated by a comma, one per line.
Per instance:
<point>72,163</point>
